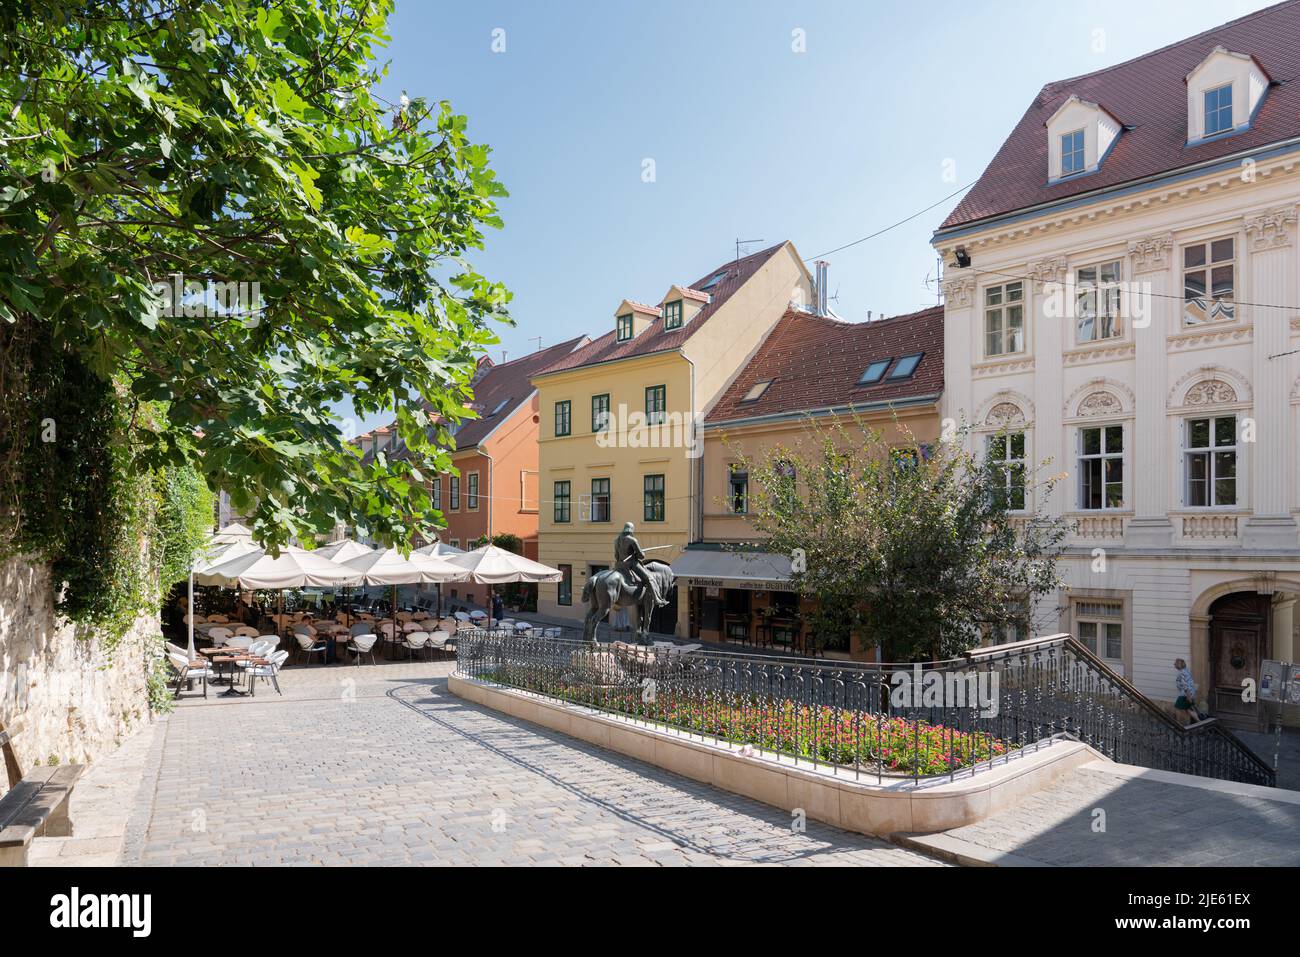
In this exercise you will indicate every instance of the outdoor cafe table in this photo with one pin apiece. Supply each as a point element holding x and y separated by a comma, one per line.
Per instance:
<point>224,656</point>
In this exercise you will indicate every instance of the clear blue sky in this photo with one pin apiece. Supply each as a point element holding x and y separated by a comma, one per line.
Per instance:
<point>749,138</point>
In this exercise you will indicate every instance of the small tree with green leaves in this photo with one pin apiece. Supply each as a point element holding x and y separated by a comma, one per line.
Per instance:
<point>913,546</point>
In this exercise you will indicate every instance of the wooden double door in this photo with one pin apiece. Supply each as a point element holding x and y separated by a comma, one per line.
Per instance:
<point>1240,639</point>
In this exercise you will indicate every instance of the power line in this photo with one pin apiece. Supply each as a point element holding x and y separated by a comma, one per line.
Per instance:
<point>881,232</point>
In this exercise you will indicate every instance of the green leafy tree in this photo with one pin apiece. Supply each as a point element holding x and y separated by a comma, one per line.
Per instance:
<point>913,546</point>
<point>147,146</point>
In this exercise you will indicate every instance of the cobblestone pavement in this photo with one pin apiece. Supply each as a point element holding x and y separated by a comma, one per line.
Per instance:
<point>1147,822</point>
<point>382,765</point>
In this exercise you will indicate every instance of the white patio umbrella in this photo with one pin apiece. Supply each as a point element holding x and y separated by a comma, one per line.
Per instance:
<point>391,567</point>
<point>230,541</point>
<point>292,568</point>
<point>343,550</point>
<point>440,550</point>
<point>490,565</point>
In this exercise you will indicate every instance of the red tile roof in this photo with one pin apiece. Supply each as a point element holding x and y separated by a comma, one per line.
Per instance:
<point>509,382</point>
<point>1149,96</point>
<point>654,338</point>
<point>815,363</point>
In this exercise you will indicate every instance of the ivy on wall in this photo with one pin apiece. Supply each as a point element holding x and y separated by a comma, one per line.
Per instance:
<point>75,492</point>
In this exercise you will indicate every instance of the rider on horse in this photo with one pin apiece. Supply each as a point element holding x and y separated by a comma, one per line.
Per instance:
<point>628,558</point>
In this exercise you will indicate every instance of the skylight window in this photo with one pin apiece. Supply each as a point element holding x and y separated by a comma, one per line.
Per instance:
<point>717,278</point>
<point>501,405</point>
<point>874,372</point>
<point>756,391</point>
<point>906,366</point>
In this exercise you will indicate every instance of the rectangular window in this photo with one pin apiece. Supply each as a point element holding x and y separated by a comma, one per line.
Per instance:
<point>673,314</point>
<point>738,489</point>
<point>435,494</point>
<point>563,417</point>
<point>1097,302</point>
<point>1209,282</point>
<point>1100,626</point>
<point>1072,153</point>
<point>563,492</point>
<point>1210,461</point>
<point>654,498</point>
<point>564,592</point>
<point>471,490</point>
<point>455,492</point>
<point>623,327</point>
<point>455,543</point>
<point>1101,467</point>
<point>600,500</point>
<point>1218,110</point>
<point>656,404</point>
<point>600,412</point>
<point>1004,319</point>
<point>1006,454</point>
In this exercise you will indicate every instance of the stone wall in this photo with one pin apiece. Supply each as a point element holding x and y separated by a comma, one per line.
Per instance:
<point>76,700</point>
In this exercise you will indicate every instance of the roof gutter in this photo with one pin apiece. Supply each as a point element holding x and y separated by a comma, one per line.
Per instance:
<point>881,405</point>
<point>1119,189</point>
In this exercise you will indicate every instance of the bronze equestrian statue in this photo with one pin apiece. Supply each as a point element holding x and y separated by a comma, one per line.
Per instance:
<point>633,583</point>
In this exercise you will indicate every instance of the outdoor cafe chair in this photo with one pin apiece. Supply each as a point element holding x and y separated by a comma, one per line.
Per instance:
<point>302,629</point>
<point>360,628</point>
<point>274,640</point>
<point>403,616</point>
<point>414,641</point>
<point>478,614</point>
<point>220,636</point>
<point>461,615</point>
<point>269,671</point>
<point>363,644</point>
<point>438,642</point>
<point>308,646</point>
<point>248,630</point>
<point>523,626</point>
<point>412,626</point>
<point>174,649</point>
<point>219,619</point>
<point>553,633</point>
<point>186,670</point>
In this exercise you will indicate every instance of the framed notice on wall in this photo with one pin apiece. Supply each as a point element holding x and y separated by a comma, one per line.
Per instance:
<point>1274,678</point>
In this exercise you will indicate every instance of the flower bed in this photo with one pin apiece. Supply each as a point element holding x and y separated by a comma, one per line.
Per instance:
<point>895,745</point>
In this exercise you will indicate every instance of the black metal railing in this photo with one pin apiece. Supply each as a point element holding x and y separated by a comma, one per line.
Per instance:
<point>888,721</point>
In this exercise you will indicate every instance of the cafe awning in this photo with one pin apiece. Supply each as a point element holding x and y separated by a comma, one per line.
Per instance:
<point>728,569</point>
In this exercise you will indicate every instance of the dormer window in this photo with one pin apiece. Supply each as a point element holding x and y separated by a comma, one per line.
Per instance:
<point>673,314</point>
<point>1218,110</point>
<point>1223,94</point>
<point>623,328</point>
<point>1080,135</point>
<point>1072,153</point>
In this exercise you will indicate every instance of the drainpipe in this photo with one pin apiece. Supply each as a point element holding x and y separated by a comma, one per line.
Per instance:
<point>491,493</point>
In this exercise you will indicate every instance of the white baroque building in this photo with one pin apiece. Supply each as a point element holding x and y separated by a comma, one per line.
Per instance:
<point>1123,302</point>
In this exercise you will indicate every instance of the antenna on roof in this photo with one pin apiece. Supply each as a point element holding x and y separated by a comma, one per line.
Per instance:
<point>538,340</point>
<point>744,242</point>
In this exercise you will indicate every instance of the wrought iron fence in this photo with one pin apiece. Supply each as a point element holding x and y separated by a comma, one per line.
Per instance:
<point>886,721</point>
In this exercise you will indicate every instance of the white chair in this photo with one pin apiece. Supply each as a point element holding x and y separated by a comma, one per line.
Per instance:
<point>261,647</point>
<point>461,616</point>
<point>438,642</point>
<point>411,626</point>
<point>403,616</point>
<point>242,642</point>
<point>553,633</point>
<point>523,627</point>
<point>218,619</point>
<point>174,649</point>
<point>363,644</point>
<point>478,614</point>
<point>186,669</point>
<point>420,616</point>
<point>270,671</point>
<point>247,630</point>
<point>360,628</point>
<point>273,639</point>
<point>308,646</point>
<point>220,636</point>
<point>413,641</point>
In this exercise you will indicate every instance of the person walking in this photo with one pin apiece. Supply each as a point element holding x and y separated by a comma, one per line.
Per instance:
<point>1186,701</point>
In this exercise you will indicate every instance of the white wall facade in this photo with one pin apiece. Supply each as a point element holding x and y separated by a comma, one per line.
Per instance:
<point>1159,555</point>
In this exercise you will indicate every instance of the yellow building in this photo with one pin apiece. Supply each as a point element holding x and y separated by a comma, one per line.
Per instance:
<point>811,372</point>
<point>620,432</point>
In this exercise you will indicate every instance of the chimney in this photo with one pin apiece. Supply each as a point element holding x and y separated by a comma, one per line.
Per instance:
<point>820,290</point>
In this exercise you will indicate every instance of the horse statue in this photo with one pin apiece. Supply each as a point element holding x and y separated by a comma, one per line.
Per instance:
<point>608,591</point>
